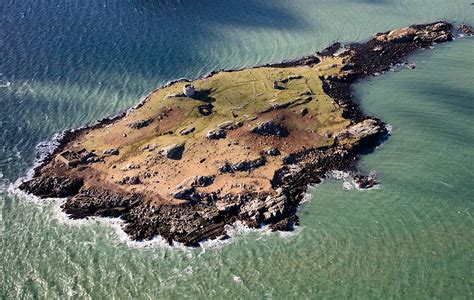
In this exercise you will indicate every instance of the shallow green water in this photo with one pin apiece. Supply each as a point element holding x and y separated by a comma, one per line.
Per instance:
<point>412,238</point>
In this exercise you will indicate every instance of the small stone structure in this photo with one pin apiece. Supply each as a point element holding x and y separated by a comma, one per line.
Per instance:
<point>75,158</point>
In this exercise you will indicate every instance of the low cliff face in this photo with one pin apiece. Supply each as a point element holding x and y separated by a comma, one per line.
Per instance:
<point>244,146</point>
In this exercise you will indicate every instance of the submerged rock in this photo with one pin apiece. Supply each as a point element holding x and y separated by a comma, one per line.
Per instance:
<point>466,29</point>
<point>365,182</point>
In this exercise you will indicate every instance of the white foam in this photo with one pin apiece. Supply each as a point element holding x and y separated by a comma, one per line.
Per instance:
<point>372,175</point>
<point>308,196</point>
<point>6,85</point>
<point>13,190</point>
<point>237,279</point>
<point>339,175</point>
<point>234,231</point>
<point>348,182</point>
<point>347,185</point>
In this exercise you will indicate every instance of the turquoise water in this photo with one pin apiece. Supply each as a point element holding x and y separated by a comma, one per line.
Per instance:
<point>64,65</point>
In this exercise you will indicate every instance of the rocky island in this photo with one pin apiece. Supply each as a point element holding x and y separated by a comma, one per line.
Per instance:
<point>244,145</point>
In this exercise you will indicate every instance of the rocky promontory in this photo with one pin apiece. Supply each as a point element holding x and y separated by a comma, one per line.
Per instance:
<point>239,145</point>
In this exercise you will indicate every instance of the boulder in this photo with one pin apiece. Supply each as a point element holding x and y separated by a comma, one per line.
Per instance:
<point>271,128</point>
<point>183,193</point>
<point>173,151</point>
<point>230,125</point>
<point>273,152</point>
<point>304,112</point>
<point>135,180</point>
<point>111,151</point>
<point>203,181</point>
<point>216,134</point>
<point>140,123</point>
<point>187,131</point>
<point>243,166</point>
<point>197,181</point>
<point>294,77</point>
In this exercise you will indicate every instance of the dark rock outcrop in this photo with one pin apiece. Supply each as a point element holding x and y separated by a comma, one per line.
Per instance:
<point>173,151</point>
<point>112,151</point>
<point>243,166</point>
<point>273,128</point>
<point>53,186</point>
<point>140,123</point>
<point>187,131</point>
<point>216,134</point>
<point>272,152</point>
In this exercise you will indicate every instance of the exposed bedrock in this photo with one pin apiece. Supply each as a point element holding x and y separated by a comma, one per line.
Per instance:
<point>271,128</point>
<point>53,186</point>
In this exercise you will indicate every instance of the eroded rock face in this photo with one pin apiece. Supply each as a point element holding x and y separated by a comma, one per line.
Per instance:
<point>99,202</point>
<point>273,128</point>
<point>57,186</point>
<point>361,133</point>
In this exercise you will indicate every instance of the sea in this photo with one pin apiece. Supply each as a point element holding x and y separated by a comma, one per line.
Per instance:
<point>66,63</point>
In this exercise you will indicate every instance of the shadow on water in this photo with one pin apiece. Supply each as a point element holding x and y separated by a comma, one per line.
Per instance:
<point>253,13</point>
<point>144,37</point>
<point>131,45</point>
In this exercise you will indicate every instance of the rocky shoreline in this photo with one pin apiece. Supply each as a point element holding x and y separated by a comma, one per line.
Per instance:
<point>205,215</point>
